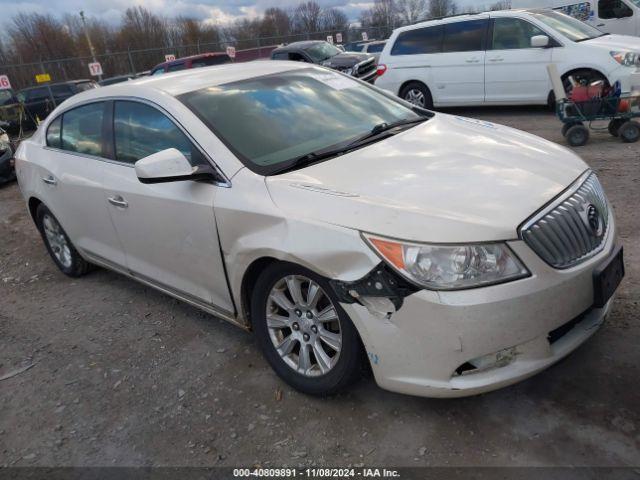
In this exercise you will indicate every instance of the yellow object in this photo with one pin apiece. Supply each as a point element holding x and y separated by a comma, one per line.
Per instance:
<point>43,77</point>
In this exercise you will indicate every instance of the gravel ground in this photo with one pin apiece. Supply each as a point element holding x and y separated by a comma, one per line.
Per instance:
<point>124,375</point>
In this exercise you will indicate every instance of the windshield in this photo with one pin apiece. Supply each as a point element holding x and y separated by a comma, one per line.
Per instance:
<point>6,97</point>
<point>573,29</point>
<point>636,3</point>
<point>269,121</point>
<point>322,51</point>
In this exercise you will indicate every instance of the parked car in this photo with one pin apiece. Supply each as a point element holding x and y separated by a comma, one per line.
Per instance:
<point>10,111</point>
<point>501,58</point>
<point>7,172</point>
<point>374,48</point>
<point>41,100</point>
<point>332,220</point>
<point>611,16</point>
<point>114,80</point>
<point>359,65</point>
<point>195,61</point>
<point>356,46</point>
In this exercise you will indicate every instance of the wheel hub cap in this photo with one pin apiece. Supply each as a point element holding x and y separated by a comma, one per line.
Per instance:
<point>57,240</point>
<point>304,326</point>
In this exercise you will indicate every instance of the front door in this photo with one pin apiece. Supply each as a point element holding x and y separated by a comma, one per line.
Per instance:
<point>617,17</point>
<point>515,72</point>
<point>168,230</point>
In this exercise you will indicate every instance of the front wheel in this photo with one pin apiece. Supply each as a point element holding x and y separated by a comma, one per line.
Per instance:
<point>578,135</point>
<point>304,334</point>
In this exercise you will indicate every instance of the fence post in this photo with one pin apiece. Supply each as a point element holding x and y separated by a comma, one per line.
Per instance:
<point>198,46</point>
<point>133,67</point>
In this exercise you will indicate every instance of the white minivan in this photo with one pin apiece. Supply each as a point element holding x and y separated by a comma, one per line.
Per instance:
<point>501,58</point>
<point>611,16</point>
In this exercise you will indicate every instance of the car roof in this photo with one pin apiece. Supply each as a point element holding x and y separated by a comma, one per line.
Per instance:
<point>299,45</point>
<point>191,57</point>
<point>444,20</point>
<point>184,81</point>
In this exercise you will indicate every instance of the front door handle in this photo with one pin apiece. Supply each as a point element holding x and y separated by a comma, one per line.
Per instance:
<point>473,60</point>
<point>50,180</point>
<point>496,59</point>
<point>601,25</point>
<point>118,201</point>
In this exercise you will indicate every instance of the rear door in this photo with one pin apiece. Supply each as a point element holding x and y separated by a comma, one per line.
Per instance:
<point>71,174</point>
<point>168,230</point>
<point>515,72</point>
<point>458,71</point>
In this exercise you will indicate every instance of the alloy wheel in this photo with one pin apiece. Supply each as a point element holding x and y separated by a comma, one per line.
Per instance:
<point>57,240</point>
<point>416,97</point>
<point>304,326</point>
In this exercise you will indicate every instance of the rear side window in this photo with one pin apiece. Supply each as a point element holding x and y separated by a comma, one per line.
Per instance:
<point>465,36</point>
<point>608,9</point>
<point>419,41</point>
<point>61,90</point>
<point>141,130</point>
<point>208,61</point>
<point>175,67</point>
<point>513,33</point>
<point>281,56</point>
<point>378,47</point>
<point>37,94</point>
<point>81,87</point>
<point>82,129</point>
<point>53,133</point>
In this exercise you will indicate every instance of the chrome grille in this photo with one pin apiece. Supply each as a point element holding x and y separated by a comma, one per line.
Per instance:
<point>573,228</point>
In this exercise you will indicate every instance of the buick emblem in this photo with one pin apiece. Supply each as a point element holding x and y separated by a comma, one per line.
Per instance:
<point>593,220</point>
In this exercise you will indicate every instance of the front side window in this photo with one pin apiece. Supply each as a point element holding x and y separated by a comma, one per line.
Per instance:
<point>53,133</point>
<point>37,94</point>
<point>141,130</point>
<point>176,67</point>
<point>81,87</point>
<point>322,51</point>
<point>573,29</point>
<point>281,56</point>
<point>61,91</point>
<point>513,33</point>
<point>608,9</point>
<point>419,41</point>
<point>271,120</point>
<point>375,48</point>
<point>465,36</point>
<point>158,71</point>
<point>211,60</point>
<point>82,129</point>
<point>6,97</point>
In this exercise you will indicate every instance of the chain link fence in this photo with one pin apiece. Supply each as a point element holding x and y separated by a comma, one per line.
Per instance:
<point>135,62</point>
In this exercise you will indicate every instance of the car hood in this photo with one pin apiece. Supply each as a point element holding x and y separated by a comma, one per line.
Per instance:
<point>449,180</point>
<point>616,42</point>
<point>347,59</point>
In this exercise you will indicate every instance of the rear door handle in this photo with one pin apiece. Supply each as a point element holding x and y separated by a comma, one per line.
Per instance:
<point>50,180</point>
<point>118,201</point>
<point>473,60</point>
<point>601,25</point>
<point>496,59</point>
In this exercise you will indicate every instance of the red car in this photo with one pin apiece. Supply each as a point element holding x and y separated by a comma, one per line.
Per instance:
<point>195,61</point>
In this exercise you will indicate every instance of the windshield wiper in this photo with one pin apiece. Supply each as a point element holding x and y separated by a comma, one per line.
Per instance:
<point>380,131</point>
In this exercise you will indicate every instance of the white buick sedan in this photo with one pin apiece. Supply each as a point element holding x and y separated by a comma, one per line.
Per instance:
<point>341,225</point>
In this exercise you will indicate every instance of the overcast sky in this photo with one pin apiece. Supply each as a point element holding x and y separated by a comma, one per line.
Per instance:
<point>220,11</point>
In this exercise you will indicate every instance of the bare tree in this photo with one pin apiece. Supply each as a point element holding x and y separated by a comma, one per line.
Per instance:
<point>442,8</point>
<point>501,5</point>
<point>307,17</point>
<point>411,11</point>
<point>334,20</point>
<point>276,22</point>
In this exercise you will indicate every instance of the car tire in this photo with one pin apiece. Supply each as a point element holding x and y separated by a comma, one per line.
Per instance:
<point>567,126</point>
<point>614,127</point>
<point>59,246</point>
<point>417,94</point>
<point>629,132</point>
<point>578,135</point>
<point>296,325</point>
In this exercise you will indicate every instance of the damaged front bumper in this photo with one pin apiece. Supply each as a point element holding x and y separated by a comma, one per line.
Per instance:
<point>460,343</point>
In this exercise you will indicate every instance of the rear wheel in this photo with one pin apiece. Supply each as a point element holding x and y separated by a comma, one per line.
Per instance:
<point>58,244</point>
<point>614,127</point>
<point>303,332</point>
<point>629,132</point>
<point>567,126</point>
<point>577,135</point>
<point>418,94</point>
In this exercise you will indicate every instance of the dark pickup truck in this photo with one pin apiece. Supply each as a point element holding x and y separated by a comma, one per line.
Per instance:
<point>359,65</point>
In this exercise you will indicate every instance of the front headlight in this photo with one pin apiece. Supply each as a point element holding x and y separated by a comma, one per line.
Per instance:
<point>627,59</point>
<point>450,267</point>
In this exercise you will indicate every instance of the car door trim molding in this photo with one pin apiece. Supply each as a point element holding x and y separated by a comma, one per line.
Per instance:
<point>210,308</point>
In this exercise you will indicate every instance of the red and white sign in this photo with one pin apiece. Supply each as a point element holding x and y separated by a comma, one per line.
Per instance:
<point>338,38</point>
<point>330,39</point>
<point>169,58</point>
<point>95,69</point>
<point>231,51</point>
<point>5,84</point>
<point>365,37</point>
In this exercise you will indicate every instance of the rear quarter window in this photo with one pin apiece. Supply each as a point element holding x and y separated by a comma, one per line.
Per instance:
<point>53,133</point>
<point>419,41</point>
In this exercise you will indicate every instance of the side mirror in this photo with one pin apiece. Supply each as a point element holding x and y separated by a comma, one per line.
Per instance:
<point>540,41</point>
<point>171,165</point>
